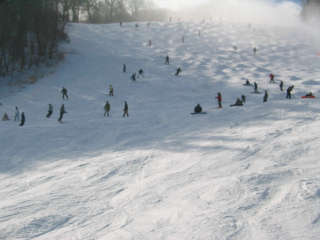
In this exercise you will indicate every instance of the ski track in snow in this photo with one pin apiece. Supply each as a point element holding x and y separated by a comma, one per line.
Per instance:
<point>235,173</point>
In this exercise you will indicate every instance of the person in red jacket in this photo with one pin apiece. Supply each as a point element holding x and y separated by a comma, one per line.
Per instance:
<point>271,78</point>
<point>219,98</point>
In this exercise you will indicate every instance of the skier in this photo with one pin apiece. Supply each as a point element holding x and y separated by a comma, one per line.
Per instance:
<point>62,112</point>
<point>125,110</point>
<point>289,90</point>
<point>124,68</point>
<point>17,114</point>
<point>50,111</point>
<point>110,90</point>
<point>134,77</point>
<point>281,86</point>
<point>178,71</point>
<point>5,117</point>
<point>107,109</point>
<point>64,92</point>
<point>247,83</point>
<point>271,78</point>
<point>167,60</point>
<point>238,103</point>
<point>141,72</point>
<point>243,98</point>
<point>254,51</point>
<point>198,109</point>
<point>255,86</point>
<point>265,97</point>
<point>150,43</point>
<point>219,98</point>
<point>23,119</point>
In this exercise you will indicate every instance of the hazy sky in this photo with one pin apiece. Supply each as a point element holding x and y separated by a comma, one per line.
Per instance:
<point>178,4</point>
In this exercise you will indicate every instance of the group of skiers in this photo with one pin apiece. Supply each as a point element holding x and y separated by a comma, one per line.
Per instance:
<point>17,117</point>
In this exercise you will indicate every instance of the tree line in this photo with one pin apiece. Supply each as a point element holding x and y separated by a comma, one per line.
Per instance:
<point>30,30</point>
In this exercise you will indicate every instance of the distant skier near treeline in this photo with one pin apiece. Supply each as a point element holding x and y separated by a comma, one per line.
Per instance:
<point>23,119</point>
<point>266,95</point>
<point>64,92</point>
<point>179,70</point>
<point>255,87</point>
<point>289,90</point>
<point>62,112</point>
<point>17,114</point>
<point>50,111</point>
<point>219,99</point>
<point>107,108</point>
<point>125,110</point>
<point>167,60</point>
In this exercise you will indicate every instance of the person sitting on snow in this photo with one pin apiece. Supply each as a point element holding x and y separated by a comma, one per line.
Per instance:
<point>309,94</point>
<point>237,103</point>
<point>198,109</point>
<point>247,83</point>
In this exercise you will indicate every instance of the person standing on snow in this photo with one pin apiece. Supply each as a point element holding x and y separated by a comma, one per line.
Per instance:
<point>62,112</point>
<point>23,119</point>
<point>107,108</point>
<point>289,90</point>
<point>243,98</point>
<point>124,68</point>
<point>17,114</point>
<point>281,86</point>
<point>219,99</point>
<point>64,92</point>
<point>167,60</point>
<point>110,90</point>
<point>255,86</point>
<point>125,110</point>
<point>265,97</point>
<point>179,70</point>
<point>271,76</point>
<point>50,111</point>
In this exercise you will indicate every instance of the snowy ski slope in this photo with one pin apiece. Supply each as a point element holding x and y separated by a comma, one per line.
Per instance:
<point>237,173</point>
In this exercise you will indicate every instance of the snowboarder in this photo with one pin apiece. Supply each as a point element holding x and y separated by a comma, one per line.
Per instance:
<point>50,111</point>
<point>62,112</point>
<point>289,90</point>
<point>265,97</point>
<point>23,119</point>
<point>308,95</point>
<point>124,68</point>
<point>134,77</point>
<point>16,114</point>
<point>247,83</point>
<point>271,76</point>
<point>125,110</point>
<point>110,90</point>
<point>141,72</point>
<point>167,60</point>
<point>237,103</point>
<point>255,86</point>
<point>107,108</point>
<point>243,98</point>
<point>281,86</point>
<point>64,92</point>
<point>219,98</point>
<point>178,71</point>
<point>5,117</point>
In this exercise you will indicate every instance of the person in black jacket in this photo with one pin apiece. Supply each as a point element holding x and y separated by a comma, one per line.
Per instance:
<point>265,97</point>
<point>198,109</point>
<point>50,111</point>
<point>289,90</point>
<point>238,103</point>
<point>23,119</point>
<point>125,110</point>
<point>62,112</point>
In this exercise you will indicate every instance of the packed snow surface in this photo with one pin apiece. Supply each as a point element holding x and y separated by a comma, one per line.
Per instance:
<point>245,173</point>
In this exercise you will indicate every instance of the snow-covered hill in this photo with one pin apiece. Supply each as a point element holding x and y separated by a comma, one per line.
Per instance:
<point>236,173</point>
